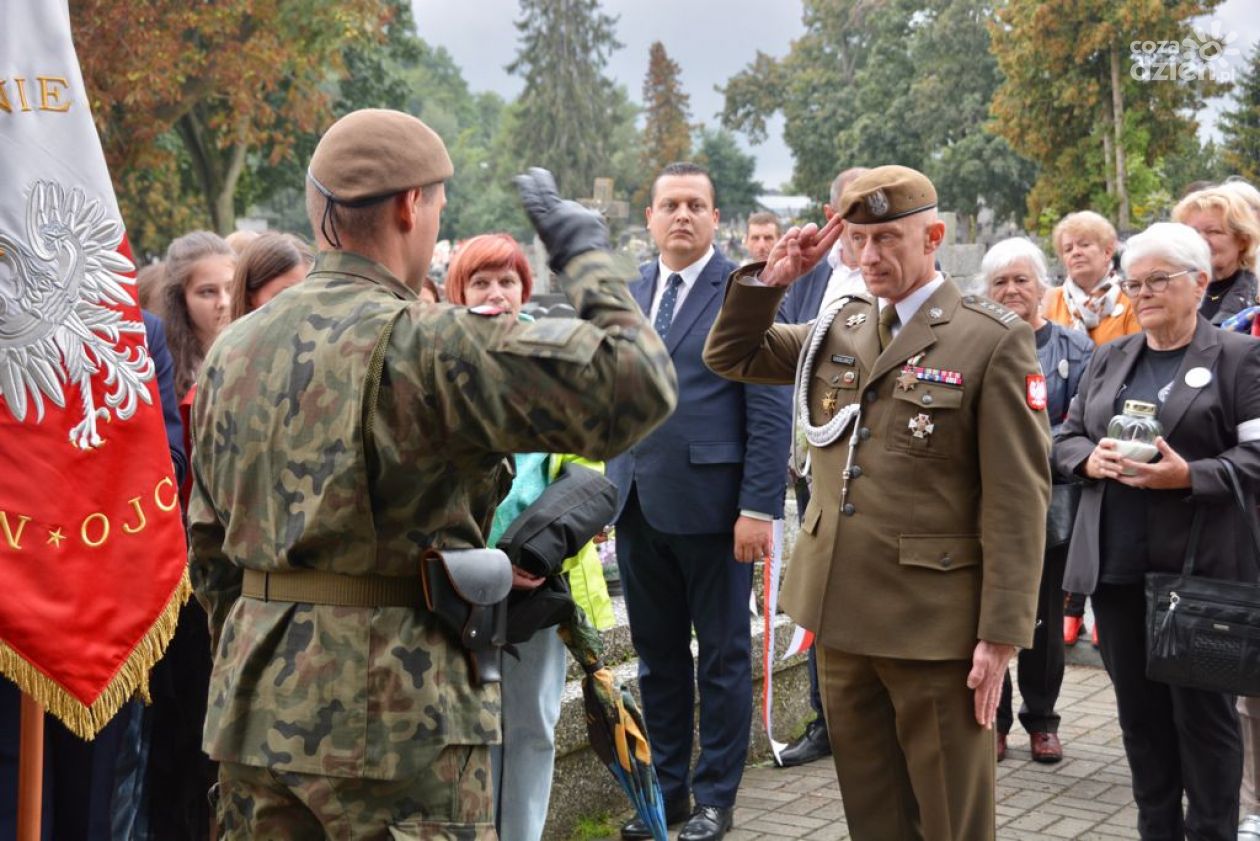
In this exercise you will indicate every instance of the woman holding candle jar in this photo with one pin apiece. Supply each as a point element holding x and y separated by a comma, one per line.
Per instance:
<point>1193,392</point>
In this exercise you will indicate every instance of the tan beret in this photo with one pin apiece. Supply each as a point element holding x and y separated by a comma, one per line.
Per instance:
<point>374,153</point>
<point>886,193</point>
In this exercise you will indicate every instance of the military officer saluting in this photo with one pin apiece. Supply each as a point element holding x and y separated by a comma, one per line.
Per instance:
<point>341,434</point>
<point>919,554</point>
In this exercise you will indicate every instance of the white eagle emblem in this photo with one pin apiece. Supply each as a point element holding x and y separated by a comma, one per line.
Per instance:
<point>877,203</point>
<point>59,285</point>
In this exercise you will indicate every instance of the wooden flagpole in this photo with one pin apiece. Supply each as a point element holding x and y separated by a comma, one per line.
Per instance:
<point>30,770</point>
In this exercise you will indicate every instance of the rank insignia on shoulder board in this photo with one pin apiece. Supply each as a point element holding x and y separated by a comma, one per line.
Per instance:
<point>855,320</point>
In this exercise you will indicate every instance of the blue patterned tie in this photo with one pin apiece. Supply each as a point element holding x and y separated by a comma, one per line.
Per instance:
<point>665,314</point>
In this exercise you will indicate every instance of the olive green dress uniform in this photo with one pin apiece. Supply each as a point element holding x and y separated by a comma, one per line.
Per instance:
<point>936,544</point>
<point>344,428</point>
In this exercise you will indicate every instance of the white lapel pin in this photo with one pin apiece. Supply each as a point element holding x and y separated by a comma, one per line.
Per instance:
<point>1198,377</point>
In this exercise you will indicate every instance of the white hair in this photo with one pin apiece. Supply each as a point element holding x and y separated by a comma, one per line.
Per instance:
<point>1172,242</point>
<point>1010,251</point>
<point>1244,190</point>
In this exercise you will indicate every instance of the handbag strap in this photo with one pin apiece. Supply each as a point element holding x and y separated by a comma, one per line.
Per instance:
<point>1196,525</point>
<point>1248,514</point>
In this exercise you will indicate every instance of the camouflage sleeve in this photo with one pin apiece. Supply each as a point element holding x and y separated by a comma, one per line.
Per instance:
<point>592,385</point>
<point>215,579</point>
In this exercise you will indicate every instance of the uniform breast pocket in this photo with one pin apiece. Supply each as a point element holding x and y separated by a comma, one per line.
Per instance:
<point>831,388</point>
<point>926,420</point>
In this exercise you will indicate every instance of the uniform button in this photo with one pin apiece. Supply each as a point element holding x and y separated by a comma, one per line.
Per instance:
<point>835,379</point>
<point>927,400</point>
<point>849,510</point>
<point>946,560</point>
<point>864,433</point>
<point>855,471</point>
<point>871,395</point>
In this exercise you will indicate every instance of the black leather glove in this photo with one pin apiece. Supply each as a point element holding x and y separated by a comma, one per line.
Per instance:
<point>567,228</point>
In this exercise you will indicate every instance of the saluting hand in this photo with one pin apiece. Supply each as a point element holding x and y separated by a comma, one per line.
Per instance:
<point>988,669</point>
<point>799,250</point>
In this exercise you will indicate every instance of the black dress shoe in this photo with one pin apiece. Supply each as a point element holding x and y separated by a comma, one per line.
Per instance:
<point>814,744</point>
<point>675,813</point>
<point>708,823</point>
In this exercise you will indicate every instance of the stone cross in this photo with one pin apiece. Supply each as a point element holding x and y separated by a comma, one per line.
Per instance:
<point>602,200</point>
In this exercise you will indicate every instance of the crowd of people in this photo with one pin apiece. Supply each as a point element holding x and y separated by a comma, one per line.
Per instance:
<point>337,419</point>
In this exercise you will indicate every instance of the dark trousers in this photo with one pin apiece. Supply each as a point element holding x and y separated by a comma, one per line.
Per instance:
<point>1075,605</point>
<point>815,696</point>
<point>673,582</point>
<point>1177,740</point>
<point>1040,668</point>
<point>78,775</point>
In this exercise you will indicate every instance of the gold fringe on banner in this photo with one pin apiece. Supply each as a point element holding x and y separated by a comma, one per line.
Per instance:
<point>132,677</point>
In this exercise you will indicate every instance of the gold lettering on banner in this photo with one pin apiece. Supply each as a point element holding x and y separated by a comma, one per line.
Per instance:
<point>55,536</point>
<point>157,499</point>
<point>83,529</point>
<point>20,83</point>
<point>50,96</point>
<point>12,537</point>
<point>134,502</point>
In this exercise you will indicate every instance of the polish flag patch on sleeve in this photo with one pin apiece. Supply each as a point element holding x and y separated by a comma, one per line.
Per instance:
<point>1035,392</point>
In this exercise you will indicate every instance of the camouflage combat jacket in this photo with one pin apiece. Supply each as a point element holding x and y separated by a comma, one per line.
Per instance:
<point>301,461</point>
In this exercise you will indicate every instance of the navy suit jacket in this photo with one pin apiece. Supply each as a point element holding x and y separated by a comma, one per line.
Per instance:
<point>724,447</point>
<point>805,297</point>
<point>164,370</point>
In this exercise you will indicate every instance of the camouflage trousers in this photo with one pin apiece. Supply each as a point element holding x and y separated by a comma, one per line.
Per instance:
<point>450,800</point>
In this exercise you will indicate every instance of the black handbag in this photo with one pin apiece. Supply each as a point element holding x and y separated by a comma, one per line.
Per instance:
<point>1061,515</point>
<point>1204,633</point>
<point>569,512</point>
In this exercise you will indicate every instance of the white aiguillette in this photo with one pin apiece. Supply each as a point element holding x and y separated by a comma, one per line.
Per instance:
<point>1198,377</point>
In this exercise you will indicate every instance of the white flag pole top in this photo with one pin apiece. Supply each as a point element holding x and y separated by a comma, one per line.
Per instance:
<point>44,109</point>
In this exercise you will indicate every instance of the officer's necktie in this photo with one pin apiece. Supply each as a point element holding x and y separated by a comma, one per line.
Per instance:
<point>665,313</point>
<point>887,318</point>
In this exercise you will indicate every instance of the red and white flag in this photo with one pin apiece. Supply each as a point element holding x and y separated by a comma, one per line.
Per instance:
<point>92,554</point>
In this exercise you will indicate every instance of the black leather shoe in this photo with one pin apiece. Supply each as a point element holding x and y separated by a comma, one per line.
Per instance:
<point>708,823</point>
<point>675,813</point>
<point>813,744</point>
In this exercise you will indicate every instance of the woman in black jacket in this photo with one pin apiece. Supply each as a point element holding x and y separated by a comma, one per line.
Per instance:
<point>1134,518</point>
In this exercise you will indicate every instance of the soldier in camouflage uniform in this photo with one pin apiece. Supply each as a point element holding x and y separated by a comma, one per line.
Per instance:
<point>338,433</point>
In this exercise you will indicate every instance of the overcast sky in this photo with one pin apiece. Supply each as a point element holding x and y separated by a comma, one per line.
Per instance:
<point>710,39</point>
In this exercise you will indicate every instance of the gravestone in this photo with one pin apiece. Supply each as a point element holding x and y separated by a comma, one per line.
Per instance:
<point>602,200</point>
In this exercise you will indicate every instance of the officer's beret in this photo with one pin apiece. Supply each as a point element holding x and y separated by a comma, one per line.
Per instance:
<point>886,193</point>
<point>373,153</point>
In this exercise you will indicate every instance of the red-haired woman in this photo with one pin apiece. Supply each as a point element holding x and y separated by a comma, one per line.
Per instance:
<point>492,271</point>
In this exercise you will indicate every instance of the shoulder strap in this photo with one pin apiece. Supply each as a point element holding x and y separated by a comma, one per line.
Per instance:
<point>1248,515</point>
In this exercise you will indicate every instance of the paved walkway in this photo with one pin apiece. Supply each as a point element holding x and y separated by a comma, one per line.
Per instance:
<point>1085,796</point>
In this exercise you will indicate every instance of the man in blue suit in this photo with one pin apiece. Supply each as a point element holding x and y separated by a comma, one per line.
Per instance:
<point>697,500</point>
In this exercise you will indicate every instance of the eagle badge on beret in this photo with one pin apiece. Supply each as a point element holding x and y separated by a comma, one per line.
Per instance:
<point>877,203</point>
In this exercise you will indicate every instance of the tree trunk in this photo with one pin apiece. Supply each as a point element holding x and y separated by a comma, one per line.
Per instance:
<point>1109,161</point>
<point>1117,119</point>
<point>218,172</point>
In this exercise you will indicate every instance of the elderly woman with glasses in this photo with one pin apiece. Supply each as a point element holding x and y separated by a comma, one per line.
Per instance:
<point>1014,272</point>
<point>1134,518</point>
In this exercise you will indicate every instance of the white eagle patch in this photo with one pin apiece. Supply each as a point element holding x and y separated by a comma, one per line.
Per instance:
<point>60,281</point>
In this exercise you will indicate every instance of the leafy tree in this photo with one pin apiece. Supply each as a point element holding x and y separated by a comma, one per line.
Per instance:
<point>731,171</point>
<point>234,81</point>
<point>568,104</point>
<point>893,81</point>
<point>1240,127</point>
<point>666,132</point>
<point>1074,101</point>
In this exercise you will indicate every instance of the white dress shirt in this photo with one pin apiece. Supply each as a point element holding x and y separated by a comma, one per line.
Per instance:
<point>688,275</point>
<point>909,305</point>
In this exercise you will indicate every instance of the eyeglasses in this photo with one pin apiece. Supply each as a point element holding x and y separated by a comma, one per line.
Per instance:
<point>1156,282</point>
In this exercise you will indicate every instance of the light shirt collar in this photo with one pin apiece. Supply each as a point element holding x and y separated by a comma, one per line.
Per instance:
<point>909,305</point>
<point>688,274</point>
